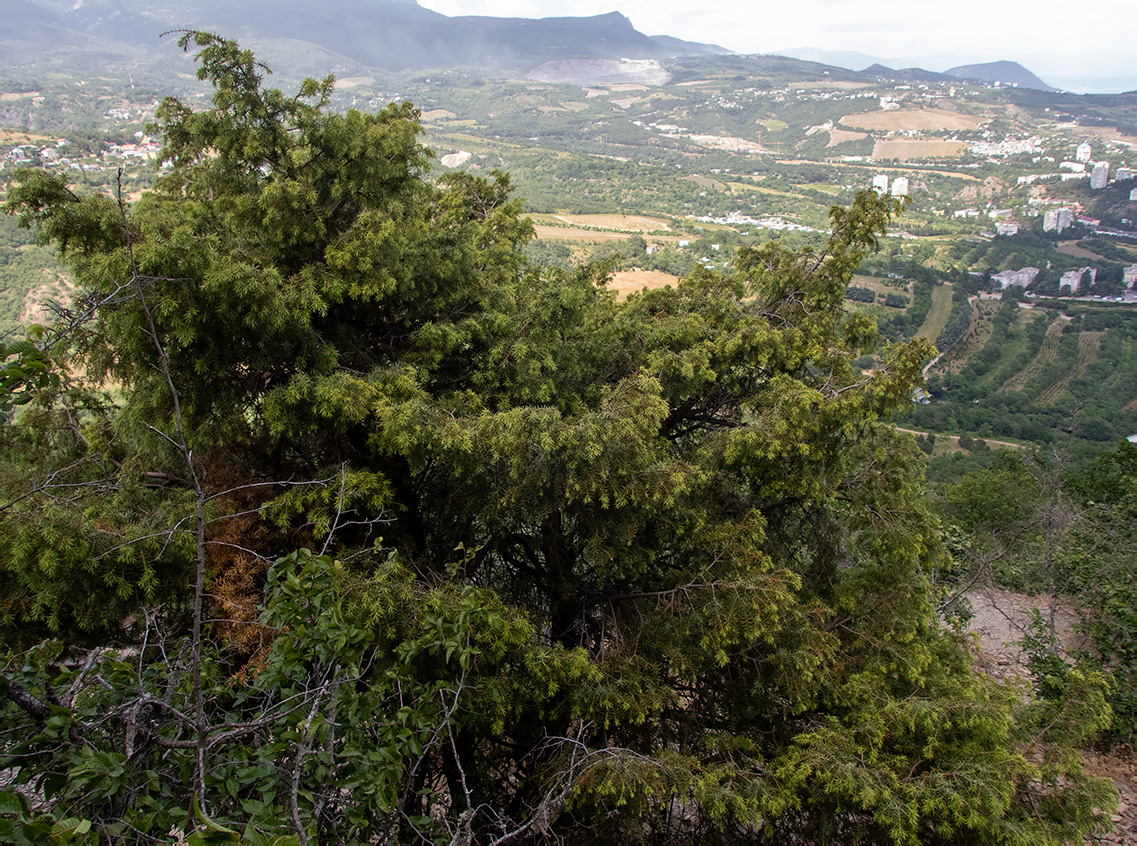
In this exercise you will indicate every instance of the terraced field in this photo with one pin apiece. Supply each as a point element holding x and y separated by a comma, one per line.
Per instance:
<point>1088,345</point>
<point>1046,354</point>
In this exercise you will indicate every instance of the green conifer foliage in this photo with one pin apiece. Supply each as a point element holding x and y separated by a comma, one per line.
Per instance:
<point>651,570</point>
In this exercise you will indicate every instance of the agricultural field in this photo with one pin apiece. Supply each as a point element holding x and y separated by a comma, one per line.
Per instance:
<point>1045,356</point>
<point>913,120</point>
<point>619,222</point>
<point>840,136</point>
<point>916,149</point>
<point>575,233</point>
<point>1089,343</point>
<point>629,281</point>
<point>937,318</point>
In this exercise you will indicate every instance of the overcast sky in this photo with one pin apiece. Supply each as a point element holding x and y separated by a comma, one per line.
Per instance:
<point>1059,40</point>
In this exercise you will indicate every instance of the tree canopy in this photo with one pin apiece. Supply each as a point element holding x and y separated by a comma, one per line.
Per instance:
<point>352,525</point>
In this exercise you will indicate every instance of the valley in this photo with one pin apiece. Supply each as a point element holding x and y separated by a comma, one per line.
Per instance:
<point>663,177</point>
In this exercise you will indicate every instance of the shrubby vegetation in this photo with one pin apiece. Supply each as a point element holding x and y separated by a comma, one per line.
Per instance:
<point>860,294</point>
<point>1024,524</point>
<point>958,324</point>
<point>365,528</point>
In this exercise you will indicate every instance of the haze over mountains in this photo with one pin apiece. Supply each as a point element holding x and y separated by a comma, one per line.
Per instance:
<point>956,64</point>
<point>397,35</point>
<point>389,34</point>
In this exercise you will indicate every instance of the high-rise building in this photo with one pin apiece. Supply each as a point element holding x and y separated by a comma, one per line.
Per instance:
<point>900,186</point>
<point>1084,152</point>
<point>1055,220</point>
<point>880,183</point>
<point>1099,176</point>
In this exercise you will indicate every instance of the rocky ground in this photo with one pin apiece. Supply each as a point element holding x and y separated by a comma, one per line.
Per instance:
<point>1000,618</point>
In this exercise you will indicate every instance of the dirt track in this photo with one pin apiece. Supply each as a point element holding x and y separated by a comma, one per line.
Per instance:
<point>999,618</point>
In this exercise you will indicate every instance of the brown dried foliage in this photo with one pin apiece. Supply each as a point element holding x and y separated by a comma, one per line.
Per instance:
<point>239,549</point>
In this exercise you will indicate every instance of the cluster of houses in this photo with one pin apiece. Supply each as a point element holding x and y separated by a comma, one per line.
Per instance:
<point>55,154</point>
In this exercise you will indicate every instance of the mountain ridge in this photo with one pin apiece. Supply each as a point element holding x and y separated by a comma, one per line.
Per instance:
<point>394,35</point>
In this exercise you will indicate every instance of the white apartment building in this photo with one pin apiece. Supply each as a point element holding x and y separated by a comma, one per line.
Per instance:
<point>1021,277</point>
<point>1099,176</point>
<point>1056,220</point>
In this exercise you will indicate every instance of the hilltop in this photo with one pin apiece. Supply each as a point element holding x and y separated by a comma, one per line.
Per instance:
<point>1001,73</point>
<point>392,35</point>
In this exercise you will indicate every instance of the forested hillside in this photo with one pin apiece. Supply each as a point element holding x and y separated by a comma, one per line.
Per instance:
<point>332,518</point>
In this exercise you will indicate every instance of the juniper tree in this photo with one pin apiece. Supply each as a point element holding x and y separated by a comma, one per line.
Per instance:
<point>651,570</point>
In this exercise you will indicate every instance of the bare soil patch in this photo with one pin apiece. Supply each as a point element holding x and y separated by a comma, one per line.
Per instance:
<point>439,114</point>
<point>946,444</point>
<point>706,182</point>
<point>455,159</point>
<point>621,222</point>
<point>629,281</point>
<point>920,120</point>
<point>723,142</point>
<point>569,233</point>
<point>546,232</point>
<point>840,136</point>
<point>999,620</point>
<point>904,150</point>
<point>842,84</point>
<point>20,136</point>
<point>1107,133</point>
<point>879,287</point>
<point>1071,248</point>
<point>352,81</point>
